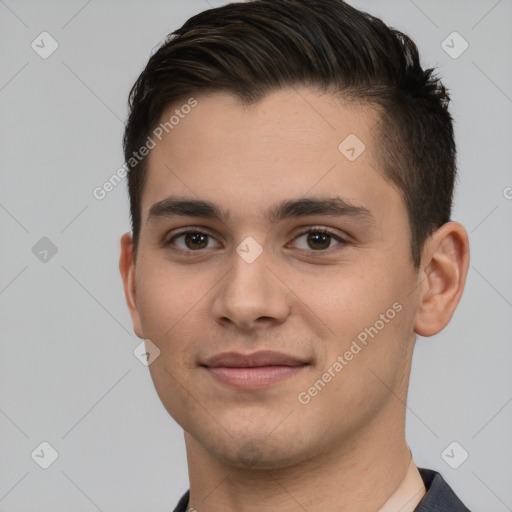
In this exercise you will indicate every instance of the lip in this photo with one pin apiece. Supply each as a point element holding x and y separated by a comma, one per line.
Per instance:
<point>254,370</point>
<point>254,359</point>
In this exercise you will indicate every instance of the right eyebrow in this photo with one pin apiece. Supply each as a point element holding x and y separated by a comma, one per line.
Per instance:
<point>175,206</point>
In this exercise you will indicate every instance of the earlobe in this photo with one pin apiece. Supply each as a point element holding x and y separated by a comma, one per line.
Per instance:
<point>446,262</point>
<point>127,270</point>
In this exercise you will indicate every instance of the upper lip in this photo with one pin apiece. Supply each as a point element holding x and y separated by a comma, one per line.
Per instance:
<point>254,359</point>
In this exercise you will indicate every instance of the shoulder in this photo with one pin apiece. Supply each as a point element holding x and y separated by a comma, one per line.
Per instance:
<point>183,503</point>
<point>439,497</point>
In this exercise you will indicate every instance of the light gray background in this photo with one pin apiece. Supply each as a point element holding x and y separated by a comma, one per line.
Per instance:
<point>68,374</point>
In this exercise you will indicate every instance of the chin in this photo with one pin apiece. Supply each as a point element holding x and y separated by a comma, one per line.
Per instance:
<point>255,452</point>
<point>254,456</point>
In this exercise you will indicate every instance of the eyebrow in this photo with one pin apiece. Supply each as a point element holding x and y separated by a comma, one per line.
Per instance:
<point>329,206</point>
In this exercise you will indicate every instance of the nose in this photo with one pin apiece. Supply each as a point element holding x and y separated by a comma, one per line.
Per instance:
<point>251,296</point>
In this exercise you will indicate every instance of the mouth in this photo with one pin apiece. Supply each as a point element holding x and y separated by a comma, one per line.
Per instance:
<point>255,370</point>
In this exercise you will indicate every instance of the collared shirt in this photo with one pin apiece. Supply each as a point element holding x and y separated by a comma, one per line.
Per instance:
<point>438,497</point>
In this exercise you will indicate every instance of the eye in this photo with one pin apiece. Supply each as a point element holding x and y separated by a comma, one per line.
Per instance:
<point>192,240</point>
<point>317,240</point>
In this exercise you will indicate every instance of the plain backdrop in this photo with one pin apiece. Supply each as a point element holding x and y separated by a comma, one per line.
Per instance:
<point>68,375</point>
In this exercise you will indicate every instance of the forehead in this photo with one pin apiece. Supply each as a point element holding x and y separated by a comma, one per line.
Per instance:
<point>294,142</point>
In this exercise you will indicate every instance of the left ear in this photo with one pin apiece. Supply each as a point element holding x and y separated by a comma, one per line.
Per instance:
<point>445,262</point>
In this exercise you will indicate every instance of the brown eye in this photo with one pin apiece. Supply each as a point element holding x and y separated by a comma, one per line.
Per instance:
<point>318,241</point>
<point>192,240</point>
<point>196,240</point>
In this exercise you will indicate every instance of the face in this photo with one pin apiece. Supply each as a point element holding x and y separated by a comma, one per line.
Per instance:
<point>274,275</point>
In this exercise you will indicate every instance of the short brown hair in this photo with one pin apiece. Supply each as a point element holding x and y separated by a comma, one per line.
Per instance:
<point>251,49</point>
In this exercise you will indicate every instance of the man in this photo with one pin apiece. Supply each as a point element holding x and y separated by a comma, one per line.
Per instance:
<point>291,180</point>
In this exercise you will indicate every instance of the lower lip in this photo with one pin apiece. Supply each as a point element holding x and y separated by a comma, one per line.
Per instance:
<point>254,377</point>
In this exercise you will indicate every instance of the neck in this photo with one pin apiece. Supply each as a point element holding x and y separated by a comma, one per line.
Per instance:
<point>359,474</point>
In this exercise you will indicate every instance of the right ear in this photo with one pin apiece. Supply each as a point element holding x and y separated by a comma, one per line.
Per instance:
<point>127,269</point>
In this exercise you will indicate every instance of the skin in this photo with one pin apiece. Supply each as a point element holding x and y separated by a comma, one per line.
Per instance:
<point>261,449</point>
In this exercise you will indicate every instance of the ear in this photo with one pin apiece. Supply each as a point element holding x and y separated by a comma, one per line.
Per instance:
<point>445,262</point>
<point>127,269</point>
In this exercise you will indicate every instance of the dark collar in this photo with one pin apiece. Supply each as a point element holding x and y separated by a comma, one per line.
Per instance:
<point>439,496</point>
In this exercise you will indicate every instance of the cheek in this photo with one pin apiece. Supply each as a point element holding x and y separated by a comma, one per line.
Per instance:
<point>369,312</point>
<point>168,303</point>
<point>175,312</point>
<point>164,298</point>
<point>348,298</point>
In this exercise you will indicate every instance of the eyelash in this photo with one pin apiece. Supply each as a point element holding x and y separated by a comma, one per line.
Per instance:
<point>315,229</point>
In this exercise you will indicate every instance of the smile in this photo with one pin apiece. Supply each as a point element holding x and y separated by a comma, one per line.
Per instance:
<point>253,371</point>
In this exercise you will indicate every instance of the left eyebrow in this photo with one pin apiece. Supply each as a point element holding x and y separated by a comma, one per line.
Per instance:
<point>294,208</point>
<point>332,207</point>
